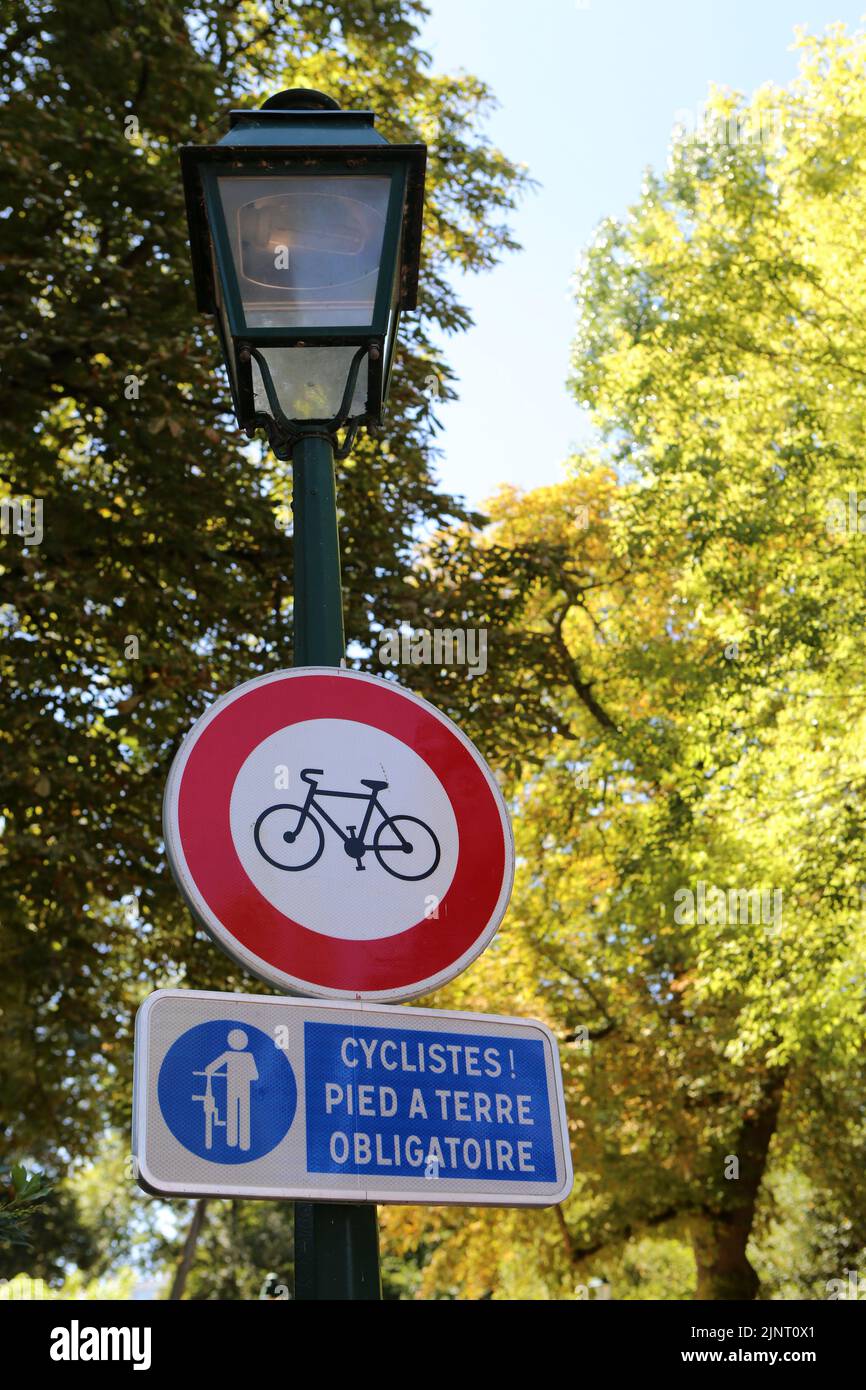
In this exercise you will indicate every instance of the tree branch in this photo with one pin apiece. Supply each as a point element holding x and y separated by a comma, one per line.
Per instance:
<point>582,688</point>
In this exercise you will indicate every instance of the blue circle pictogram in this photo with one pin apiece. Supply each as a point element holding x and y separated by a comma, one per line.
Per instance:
<point>227,1092</point>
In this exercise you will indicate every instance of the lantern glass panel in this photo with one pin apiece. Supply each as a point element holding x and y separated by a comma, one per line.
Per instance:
<point>310,381</point>
<point>307,249</point>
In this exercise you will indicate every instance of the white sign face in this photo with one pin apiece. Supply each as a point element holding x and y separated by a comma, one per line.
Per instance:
<point>254,1096</point>
<point>303,879</point>
<point>338,835</point>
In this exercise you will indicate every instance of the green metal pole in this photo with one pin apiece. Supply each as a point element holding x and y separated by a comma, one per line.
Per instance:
<point>336,1244</point>
<point>318,600</point>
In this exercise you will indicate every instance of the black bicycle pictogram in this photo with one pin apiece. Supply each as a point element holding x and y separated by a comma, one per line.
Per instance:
<point>292,838</point>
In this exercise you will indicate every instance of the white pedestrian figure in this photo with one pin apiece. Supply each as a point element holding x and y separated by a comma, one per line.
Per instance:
<point>241,1071</point>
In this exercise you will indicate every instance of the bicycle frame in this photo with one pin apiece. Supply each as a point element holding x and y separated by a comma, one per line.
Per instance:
<point>312,811</point>
<point>373,804</point>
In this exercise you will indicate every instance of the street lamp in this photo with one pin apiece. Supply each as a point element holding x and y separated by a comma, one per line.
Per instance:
<point>305,234</point>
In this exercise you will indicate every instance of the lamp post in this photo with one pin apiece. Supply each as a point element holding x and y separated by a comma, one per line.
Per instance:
<point>305,231</point>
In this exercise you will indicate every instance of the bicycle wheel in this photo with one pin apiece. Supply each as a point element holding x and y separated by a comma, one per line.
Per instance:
<point>288,839</point>
<point>412,853</point>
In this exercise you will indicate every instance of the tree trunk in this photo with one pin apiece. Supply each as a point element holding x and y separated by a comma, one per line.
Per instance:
<point>724,1271</point>
<point>186,1259</point>
<point>720,1238</point>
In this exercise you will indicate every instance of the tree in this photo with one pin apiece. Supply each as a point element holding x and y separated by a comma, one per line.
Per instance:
<point>675,693</point>
<point>161,578</point>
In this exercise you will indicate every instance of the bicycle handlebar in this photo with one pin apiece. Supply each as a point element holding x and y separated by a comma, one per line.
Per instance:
<point>312,771</point>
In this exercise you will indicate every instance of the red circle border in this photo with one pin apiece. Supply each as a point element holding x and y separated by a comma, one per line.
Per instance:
<point>213,758</point>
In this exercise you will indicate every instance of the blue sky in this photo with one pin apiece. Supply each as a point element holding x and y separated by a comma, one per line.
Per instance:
<point>588,96</point>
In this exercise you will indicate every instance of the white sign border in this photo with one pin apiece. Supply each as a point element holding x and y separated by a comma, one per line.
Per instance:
<point>375,1197</point>
<point>220,934</point>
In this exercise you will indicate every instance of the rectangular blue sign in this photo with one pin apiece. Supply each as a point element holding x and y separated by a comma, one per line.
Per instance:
<point>316,1100</point>
<point>411,1102</point>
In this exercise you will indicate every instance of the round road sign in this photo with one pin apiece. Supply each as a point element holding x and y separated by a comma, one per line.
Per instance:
<point>338,836</point>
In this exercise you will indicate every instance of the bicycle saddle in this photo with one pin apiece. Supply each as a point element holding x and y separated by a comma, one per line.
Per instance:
<point>373,785</point>
<point>309,772</point>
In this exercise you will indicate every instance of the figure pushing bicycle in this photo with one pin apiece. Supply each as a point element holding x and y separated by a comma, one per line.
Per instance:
<point>292,837</point>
